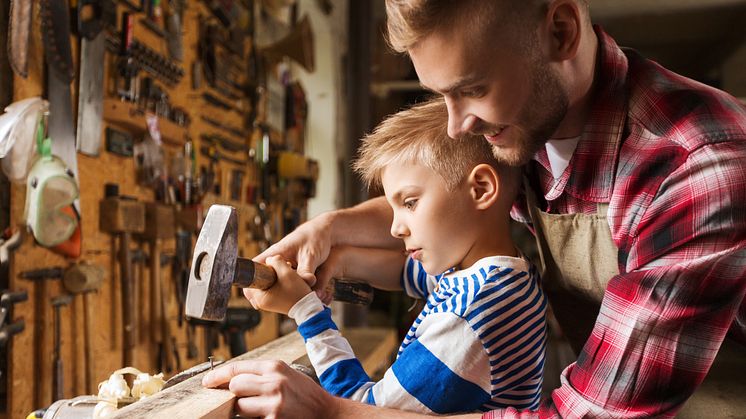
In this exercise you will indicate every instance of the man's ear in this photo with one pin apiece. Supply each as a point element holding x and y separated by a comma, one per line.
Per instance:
<point>563,23</point>
<point>484,186</point>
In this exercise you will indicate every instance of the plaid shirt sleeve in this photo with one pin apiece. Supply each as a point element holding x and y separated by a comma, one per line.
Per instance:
<point>662,321</point>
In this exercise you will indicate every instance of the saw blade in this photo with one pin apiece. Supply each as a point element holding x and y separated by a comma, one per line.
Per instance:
<point>55,16</point>
<point>61,129</point>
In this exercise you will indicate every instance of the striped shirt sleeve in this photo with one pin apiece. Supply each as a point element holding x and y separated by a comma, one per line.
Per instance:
<point>415,281</point>
<point>455,380</point>
<point>443,371</point>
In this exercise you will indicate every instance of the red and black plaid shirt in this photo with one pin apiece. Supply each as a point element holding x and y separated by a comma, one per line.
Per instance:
<point>669,156</point>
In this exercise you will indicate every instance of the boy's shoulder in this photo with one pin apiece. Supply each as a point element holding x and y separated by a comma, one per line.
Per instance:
<point>484,285</point>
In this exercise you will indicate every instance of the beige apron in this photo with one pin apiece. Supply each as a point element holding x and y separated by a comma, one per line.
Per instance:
<point>577,259</point>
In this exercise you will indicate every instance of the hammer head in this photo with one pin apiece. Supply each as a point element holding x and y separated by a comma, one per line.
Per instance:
<point>213,265</point>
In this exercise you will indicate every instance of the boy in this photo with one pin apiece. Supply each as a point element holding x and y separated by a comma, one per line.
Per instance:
<point>478,344</point>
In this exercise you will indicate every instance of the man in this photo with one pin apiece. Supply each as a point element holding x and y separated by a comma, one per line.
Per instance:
<point>635,191</point>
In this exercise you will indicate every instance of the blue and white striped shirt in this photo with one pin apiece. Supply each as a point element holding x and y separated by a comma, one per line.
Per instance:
<point>478,344</point>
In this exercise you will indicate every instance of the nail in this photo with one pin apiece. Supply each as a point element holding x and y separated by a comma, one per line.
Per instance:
<point>212,362</point>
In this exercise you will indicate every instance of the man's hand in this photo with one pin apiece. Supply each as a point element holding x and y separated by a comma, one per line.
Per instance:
<point>333,267</point>
<point>306,247</point>
<point>282,296</point>
<point>271,389</point>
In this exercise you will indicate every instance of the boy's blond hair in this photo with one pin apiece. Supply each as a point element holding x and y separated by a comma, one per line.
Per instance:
<point>419,135</point>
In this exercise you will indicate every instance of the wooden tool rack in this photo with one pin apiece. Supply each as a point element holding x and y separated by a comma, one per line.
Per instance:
<point>30,364</point>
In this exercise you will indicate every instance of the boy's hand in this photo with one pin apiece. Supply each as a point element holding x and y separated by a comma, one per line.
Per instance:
<point>290,288</point>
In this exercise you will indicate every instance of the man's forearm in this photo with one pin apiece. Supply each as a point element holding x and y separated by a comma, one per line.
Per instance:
<point>382,268</point>
<point>364,225</point>
<point>346,409</point>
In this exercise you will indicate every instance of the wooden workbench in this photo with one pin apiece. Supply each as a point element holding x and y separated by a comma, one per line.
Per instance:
<point>373,347</point>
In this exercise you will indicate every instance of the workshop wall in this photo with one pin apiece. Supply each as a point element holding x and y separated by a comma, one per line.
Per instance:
<point>223,135</point>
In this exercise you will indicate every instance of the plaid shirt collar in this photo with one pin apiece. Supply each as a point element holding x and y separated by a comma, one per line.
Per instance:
<point>591,172</point>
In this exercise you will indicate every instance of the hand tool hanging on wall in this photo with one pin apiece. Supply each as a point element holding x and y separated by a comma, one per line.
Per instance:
<point>119,142</point>
<point>91,15</point>
<point>159,225</point>
<point>210,339</point>
<point>181,268</point>
<point>8,328</point>
<point>216,268</point>
<point>238,321</point>
<point>187,223</point>
<point>211,152</point>
<point>20,28</point>
<point>84,279</point>
<point>139,261</point>
<point>173,25</point>
<point>127,66</point>
<point>225,127</point>
<point>147,59</point>
<point>10,240</point>
<point>123,217</point>
<point>58,388</point>
<point>55,16</point>
<point>262,159</point>
<point>40,352</point>
<point>297,45</point>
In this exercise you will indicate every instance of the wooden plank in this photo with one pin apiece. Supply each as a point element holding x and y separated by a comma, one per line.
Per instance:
<point>189,396</point>
<point>373,347</point>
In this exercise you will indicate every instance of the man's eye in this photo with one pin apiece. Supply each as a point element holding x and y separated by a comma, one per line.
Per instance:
<point>472,92</point>
<point>410,204</point>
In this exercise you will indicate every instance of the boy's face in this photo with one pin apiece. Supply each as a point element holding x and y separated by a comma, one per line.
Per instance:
<point>508,95</point>
<point>436,225</point>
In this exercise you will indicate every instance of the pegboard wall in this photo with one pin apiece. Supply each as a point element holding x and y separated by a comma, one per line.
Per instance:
<point>231,123</point>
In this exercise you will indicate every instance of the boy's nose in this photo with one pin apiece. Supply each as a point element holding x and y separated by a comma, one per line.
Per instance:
<point>398,229</point>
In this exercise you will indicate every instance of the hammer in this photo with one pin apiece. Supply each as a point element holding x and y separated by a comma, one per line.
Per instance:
<point>123,217</point>
<point>216,267</point>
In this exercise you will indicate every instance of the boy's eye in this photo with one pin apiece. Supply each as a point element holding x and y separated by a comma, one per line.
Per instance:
<point>410,203</point>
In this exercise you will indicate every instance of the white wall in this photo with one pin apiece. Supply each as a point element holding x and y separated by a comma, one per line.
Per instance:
<point>326,128</point>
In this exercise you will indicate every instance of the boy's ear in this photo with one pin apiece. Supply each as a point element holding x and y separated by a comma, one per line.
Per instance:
<point>484,186</point>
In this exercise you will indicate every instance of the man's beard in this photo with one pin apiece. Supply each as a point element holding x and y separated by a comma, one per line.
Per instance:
<point>544,111</point>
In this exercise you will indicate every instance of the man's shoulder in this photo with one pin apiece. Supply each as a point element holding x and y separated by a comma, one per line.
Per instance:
<point>666,109</point>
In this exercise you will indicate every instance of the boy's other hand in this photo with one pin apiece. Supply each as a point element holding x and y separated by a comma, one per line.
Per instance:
<point>290,288</point>
<point>306,247</point>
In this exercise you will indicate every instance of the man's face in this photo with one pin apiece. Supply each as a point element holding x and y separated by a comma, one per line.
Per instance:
<point>432,221</point>
<point>511,98</point>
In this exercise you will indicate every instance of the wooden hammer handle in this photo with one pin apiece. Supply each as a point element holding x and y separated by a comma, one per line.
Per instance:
<point>250,274</point>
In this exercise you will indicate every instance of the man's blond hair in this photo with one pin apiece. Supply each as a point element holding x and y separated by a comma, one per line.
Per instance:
<point>409,21</point>
<point>419,135</point>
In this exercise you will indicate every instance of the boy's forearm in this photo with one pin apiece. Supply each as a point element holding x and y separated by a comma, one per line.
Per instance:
<point>382,268</point>
<point>365,225</point>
